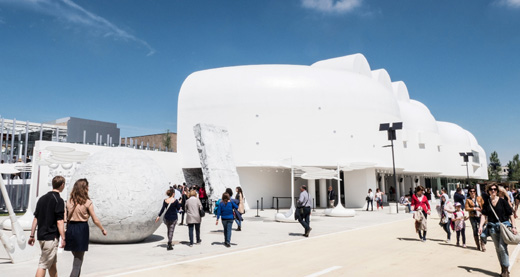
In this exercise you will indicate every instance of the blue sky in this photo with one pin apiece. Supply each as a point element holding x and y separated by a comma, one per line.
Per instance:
<point>124,61</point>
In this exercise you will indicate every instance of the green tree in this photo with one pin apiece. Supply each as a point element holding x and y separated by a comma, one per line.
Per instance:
<point>514,169</point>
<point>494,167</point>
<point>167,139</point>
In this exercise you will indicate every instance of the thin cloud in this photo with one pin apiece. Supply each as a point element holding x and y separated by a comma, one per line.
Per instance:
<point>332,6</point>
<point>510,3</point>
<point>69,11</point>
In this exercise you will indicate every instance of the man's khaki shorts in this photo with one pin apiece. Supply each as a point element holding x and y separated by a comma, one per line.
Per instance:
<point>49,253</point>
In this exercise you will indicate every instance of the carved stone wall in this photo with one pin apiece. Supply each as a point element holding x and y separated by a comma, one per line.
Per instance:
<point>127,189</point>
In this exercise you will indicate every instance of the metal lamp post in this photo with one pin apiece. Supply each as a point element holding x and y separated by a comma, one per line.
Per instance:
<point>465,156</point>
<point>391,137</point>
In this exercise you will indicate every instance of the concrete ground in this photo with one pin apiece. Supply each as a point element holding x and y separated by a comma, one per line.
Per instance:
<point>371,243</point>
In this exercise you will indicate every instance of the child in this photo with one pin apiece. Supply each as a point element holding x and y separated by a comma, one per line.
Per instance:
<point>460,225</point>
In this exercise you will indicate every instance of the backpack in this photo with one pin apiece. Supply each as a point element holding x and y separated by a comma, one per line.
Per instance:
<point>215,210</point>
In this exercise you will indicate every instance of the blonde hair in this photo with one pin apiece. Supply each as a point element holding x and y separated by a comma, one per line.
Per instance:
<point>192,193</point>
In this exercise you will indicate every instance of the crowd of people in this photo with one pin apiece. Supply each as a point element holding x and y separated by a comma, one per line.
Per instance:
<point>497,205</point>
<point>65,224</point>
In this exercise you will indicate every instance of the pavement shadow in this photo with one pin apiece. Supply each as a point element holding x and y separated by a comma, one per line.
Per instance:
<point>458,246</point>
<point>216,231</point>
<point>437,240</point>
<point>152,238</point>
<point>296,234</point>
<point>479,270</point>
<point>162,245</point>
<point>408,239</point>
<point>221,243</point>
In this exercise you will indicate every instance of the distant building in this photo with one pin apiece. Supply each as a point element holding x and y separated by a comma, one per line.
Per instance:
<point>81,130</point>
<point>504,172</point>
<point>155,141</point>
<point>17,138</point>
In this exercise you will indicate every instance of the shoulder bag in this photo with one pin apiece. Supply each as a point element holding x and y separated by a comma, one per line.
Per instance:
<point>202,213</point>
<point>505,231</point>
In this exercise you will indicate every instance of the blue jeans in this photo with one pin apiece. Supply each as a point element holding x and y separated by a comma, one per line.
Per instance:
<point>500,245</point>
<point>370,203</point>
<point>239,223</point>
<point>197,231</point>
<point>227,223</point>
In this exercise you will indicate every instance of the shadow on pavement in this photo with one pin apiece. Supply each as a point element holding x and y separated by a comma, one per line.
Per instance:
<point>408,239</point>
<point>483,271</point>
<point>221,243</point>
<point>454,245</point>
<point>296,234</point>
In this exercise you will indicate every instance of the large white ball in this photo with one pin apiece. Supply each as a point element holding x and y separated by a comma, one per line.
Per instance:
<point>127,188</point>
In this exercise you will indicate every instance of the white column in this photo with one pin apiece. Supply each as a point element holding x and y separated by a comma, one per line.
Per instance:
<point>401,189</point>
<point>323,193</point>
<point>311,186</point>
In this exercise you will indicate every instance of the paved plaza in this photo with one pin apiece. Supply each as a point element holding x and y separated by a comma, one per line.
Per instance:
<point>369,244</point>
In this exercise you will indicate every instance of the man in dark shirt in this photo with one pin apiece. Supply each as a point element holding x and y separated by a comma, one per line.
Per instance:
<point>48,216</point>
<point>458,197</point>
<point>331,196</point>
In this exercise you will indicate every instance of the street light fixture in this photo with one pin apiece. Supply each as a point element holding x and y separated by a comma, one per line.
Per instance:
<point>391,137</point>
<point>466,156</point>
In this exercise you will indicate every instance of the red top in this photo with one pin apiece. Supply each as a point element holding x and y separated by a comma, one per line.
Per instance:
<point>424,204</point>
<point>202,193</point>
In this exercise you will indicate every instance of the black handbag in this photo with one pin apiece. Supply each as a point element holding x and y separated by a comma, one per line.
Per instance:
<point>202,213</point>
<point>367,198</point>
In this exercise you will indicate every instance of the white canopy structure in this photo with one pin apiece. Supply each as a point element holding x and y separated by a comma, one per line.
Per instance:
<point>321,114</point>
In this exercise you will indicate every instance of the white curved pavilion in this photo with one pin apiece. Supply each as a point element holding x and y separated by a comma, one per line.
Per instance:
<point>324,115</point>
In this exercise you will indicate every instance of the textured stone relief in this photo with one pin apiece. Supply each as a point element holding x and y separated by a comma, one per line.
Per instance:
<point>127,189</point>
<point>216,159</point>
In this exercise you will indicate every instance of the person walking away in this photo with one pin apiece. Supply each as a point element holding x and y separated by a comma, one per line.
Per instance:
<point>510,194</point>
<point>379,198</point>
<point>184,197</point>
<point>370,199</point>
<point>170,207</point>
<point>447,210</point>
<point>193,219</point>
<point>203,197</point>
<point>241,210</point>
<point>460,224</point>
<point>305,210</point>
<point>225,210</point>
<point>420,203</point>
<point>474,206</point>
<point>517,203</point>
<point>48,216</point>
<point>428,194</point>
<point>458,197</point>
<point>79,209</point>
<point>496,211</point>
<point>331,196</point>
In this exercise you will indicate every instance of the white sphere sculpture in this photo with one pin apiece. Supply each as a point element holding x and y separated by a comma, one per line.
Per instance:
<point>127,188</point>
